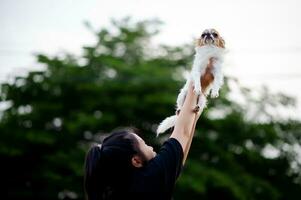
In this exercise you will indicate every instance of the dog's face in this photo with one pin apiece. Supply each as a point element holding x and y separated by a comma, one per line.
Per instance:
<point>211,37</point>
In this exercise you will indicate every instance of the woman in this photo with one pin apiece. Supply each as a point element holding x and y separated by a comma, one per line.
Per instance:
<point>124,167</point>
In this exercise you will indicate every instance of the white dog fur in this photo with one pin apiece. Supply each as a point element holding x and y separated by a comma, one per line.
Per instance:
<point>201,59</point>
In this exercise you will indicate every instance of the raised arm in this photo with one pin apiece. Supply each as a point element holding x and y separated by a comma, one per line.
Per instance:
<point>185,125</point>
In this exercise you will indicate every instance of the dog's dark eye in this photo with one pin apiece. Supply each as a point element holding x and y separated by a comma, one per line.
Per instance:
<point>203,35</point>
<point>214,35</point>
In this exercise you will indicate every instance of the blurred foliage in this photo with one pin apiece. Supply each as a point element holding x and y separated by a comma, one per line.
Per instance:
<point>53,116</point>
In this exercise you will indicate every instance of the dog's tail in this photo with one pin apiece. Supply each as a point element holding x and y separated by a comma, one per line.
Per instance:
<point>166,124</point>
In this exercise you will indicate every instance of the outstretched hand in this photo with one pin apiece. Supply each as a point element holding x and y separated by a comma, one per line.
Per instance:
<point>208,77</point>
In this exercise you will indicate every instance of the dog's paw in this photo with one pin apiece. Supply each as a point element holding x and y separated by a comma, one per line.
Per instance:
<point>214,94</point>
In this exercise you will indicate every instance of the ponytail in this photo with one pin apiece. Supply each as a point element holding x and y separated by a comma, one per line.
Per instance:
<point>92,183</point>
<point>108,167</point>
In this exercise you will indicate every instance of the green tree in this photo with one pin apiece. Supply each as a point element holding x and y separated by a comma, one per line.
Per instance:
<point>54,115</point>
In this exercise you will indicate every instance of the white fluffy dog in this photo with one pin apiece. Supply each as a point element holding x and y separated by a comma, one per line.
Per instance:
<point>210,46</point>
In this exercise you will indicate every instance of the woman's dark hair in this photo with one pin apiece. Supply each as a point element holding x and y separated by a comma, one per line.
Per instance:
<point>108,167</point>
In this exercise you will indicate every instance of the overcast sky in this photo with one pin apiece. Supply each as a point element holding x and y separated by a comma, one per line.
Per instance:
<point>263,36</point>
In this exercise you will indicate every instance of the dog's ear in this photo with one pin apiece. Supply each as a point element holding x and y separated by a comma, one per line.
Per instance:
<point>199,42</point>
<point>221,42</point>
